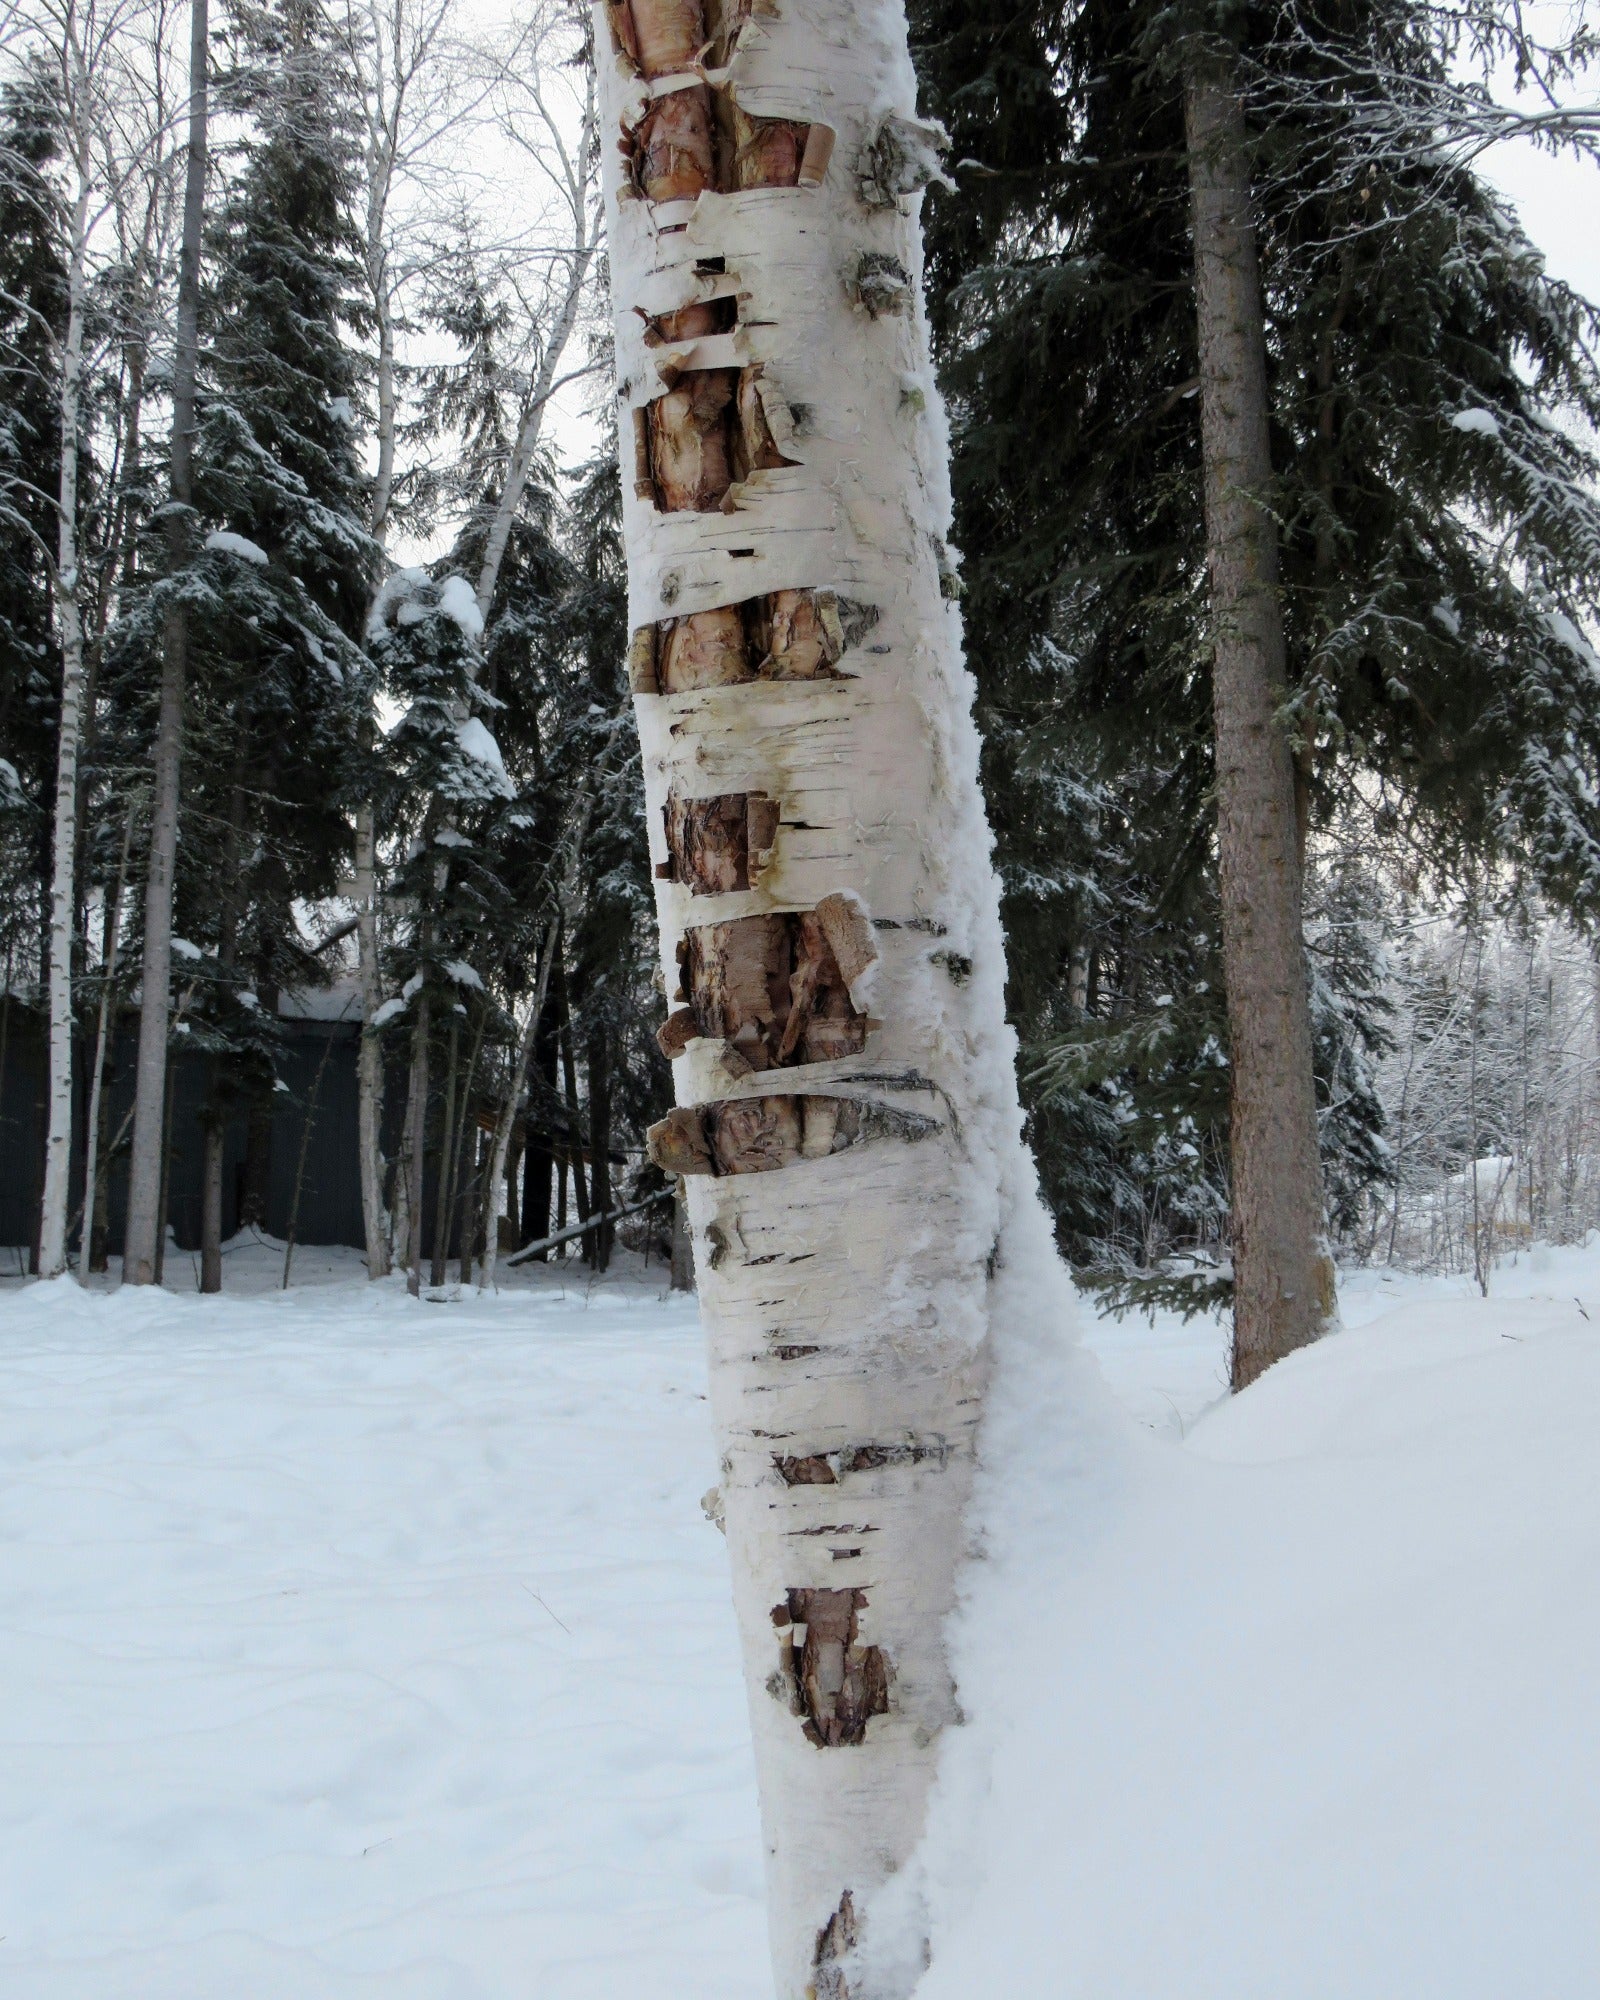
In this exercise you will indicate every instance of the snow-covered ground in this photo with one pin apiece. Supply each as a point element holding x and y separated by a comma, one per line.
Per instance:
<point>354,1645</point>
<point>1292,1697</point>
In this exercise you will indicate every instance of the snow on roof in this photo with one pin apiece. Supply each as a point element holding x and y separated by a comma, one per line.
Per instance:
<point>339,1002</point>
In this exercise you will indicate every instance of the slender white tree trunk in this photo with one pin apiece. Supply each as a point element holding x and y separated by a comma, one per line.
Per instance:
<point>369,1060</point>
<point>91,1159</point>
<point>147,1163</point>
<point>69,626</point>
<point>526,1031</point>
<point>848,1121</point>
<point>576,170</point>
<point>533,416</point>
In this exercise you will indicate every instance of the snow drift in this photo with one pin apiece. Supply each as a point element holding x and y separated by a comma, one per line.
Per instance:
<point>1298,1706</point>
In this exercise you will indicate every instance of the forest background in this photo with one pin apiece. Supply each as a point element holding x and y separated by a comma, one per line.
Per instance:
<point>407,760</point>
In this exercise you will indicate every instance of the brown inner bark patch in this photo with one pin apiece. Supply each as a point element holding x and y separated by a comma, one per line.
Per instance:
<point>680,1144</point>
<point>756,152</point>
<point>708,433</point>
<point>659,37</point>
<point>772,987</point>
<point>788,635</point>
<point>697,321</point>
<point>841,1683</point>
<point>812,1471</point>
<point>756,1135</point>
<point>688,435</point>
<point>672,151</point>
<point>697,139</point>
<point>828,1468</point>
<point>719,845</point>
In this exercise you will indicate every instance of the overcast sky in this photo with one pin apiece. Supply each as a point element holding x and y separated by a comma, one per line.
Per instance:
<point>1558,200</point>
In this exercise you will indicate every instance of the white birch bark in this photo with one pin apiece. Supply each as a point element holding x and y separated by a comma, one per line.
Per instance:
<point>91,1151</point>
<point>369,1059</point>
<point>69,626</point>
<point>147,1178</point>
<point>847,1294</point>
<point>527,1028</point>
<point>386,49</point>
<point>573,169</point>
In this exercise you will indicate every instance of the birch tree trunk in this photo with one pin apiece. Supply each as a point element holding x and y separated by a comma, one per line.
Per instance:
<point>847,1118</point>
<point>95,1118</point>
<point>414,1164</point>
<point>574,172</point>
<point>146,1171</point>
<point>1283,1271</point>
<point>64,842</point>
<point>526,1031</point>
<point>369,1057</point>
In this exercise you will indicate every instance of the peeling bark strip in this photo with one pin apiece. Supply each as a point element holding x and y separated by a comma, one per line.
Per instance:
<point>702,320</point>
<point>719,845</point>
<point>824,1673</point>
<point>758,1135</point>
<point>705,436</point>
<point>788,498</point>
<point>789,635</point>
<point>695,139</point>
<point>776,988</point>
<point>828,1468</point>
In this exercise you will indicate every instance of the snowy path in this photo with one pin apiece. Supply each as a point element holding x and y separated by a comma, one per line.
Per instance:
<point>352,1646</point>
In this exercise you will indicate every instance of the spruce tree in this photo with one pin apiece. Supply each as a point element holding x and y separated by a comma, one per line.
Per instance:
<point>1437,537</point>
<point>33,303</point>
<point>276,588</point>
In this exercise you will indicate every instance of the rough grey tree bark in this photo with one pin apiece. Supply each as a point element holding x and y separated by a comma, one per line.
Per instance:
<point>146,1176</point>
<point>1283,1271</point>
<point>847,1121</point>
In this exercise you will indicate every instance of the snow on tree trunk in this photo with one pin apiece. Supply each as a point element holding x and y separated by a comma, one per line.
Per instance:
<point>146,1219</point>
<point>64,843</point>
<point>848,1123</point>
<point>1283,1272</point>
